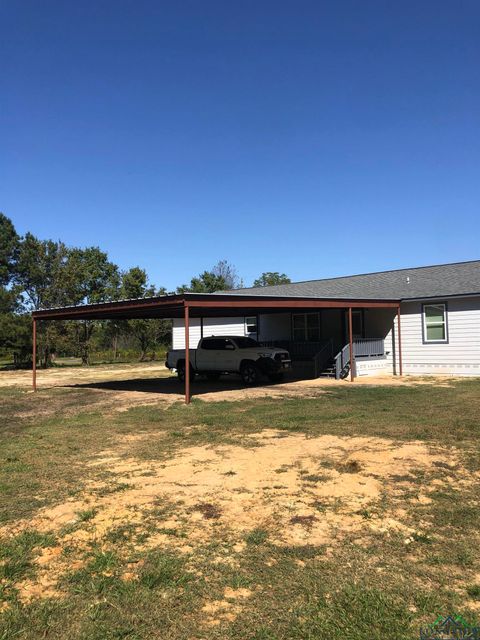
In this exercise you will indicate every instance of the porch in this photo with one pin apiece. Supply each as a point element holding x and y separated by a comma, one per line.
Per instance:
<point>323,359</point>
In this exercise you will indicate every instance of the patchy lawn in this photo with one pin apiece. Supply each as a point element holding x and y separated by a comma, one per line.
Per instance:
<point>351,512</point>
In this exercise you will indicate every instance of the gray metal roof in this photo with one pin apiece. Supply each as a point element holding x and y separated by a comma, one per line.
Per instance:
<point>443,280</point>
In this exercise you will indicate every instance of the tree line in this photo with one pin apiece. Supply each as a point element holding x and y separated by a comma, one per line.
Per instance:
<point>40,274</point>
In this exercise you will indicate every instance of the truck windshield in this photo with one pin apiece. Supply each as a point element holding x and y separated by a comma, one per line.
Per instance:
<point>246,343</point>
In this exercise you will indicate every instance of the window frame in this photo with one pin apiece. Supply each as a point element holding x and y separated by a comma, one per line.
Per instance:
<point>246,324</point>
<point>445,322</point>
<point>305,327</point>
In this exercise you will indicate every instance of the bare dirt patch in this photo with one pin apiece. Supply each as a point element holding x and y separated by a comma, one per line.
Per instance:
<point>64,376</point>
<point>234,490</point>
<point>226,610</point>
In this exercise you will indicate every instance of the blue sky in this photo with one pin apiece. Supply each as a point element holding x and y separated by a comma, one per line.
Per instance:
<point>314,138</point>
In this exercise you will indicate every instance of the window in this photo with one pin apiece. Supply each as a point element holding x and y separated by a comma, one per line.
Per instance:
<point>435,322</point>
<point>216,344</point>
<point>306,327</point>
<point>246,343</point>
<point>250,325</point>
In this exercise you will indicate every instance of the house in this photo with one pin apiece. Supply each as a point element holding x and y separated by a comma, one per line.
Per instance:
<point>440,322</point>
<point>424,320</point>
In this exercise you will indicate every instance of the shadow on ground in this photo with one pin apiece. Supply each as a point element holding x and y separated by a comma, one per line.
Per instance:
<point>171,385</point>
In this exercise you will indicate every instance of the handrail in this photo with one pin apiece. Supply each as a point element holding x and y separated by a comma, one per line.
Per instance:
<point>369,347</point>
<point>342,359</point>
<point>321,358</point>
<point>362,348</point>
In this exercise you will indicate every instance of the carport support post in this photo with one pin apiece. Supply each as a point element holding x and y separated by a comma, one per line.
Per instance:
<point>400,365</point>
<point>187,355</point>
<point>350,340</point>
<point>34,355</point>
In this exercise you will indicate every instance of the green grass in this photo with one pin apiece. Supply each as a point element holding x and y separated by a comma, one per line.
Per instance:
<point>474,591</point>
<point>16,559</point>
<point>86,515</point>
<point>129,586</point>
<point>256,537</point>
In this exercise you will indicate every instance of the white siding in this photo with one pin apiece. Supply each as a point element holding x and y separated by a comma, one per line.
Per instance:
<point>380,323</point>
<point>460,356</point>
<point>178,333</point>
<point>211,327</point>
<point>223,327</point>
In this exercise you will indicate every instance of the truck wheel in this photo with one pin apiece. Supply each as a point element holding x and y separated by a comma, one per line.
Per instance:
<point>213,376</point>
<point>249,373</point>
<point>181,372</point>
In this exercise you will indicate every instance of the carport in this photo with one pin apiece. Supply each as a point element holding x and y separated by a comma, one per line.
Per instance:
<point>198,305</point>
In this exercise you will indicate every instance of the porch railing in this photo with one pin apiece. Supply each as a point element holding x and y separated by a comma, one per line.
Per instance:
<point>322,352</point>
<point>369,347</point>
<point>362,348</point>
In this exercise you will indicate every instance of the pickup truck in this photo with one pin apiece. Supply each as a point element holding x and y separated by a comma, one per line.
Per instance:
<point>231,354</point>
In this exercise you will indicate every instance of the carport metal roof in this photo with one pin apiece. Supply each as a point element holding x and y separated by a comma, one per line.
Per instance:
<point>201,304</point>
<point>187,305</point>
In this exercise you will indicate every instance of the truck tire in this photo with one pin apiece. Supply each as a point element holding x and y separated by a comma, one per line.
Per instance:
<point>249,373</point>
<point>181,371</point>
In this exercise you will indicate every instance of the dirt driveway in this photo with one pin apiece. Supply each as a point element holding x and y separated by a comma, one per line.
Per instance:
<point>147,383</point>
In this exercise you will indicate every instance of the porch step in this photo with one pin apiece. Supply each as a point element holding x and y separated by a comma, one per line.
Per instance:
<point>329,372</point>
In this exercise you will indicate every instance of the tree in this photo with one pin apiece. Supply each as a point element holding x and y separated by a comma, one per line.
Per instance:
<point>38,273</point>
<point>9,242</point>
<point>89,277</point>
<point>134,284</point>
<point>206,282</point>
<point>147,332</point>
<point>221,277</point>
<point>49,274</point>
<point>8,249</point>
<point>16,336</point>
<point>228,273</point>
<point>270,278</point>
<point>15,328</point>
